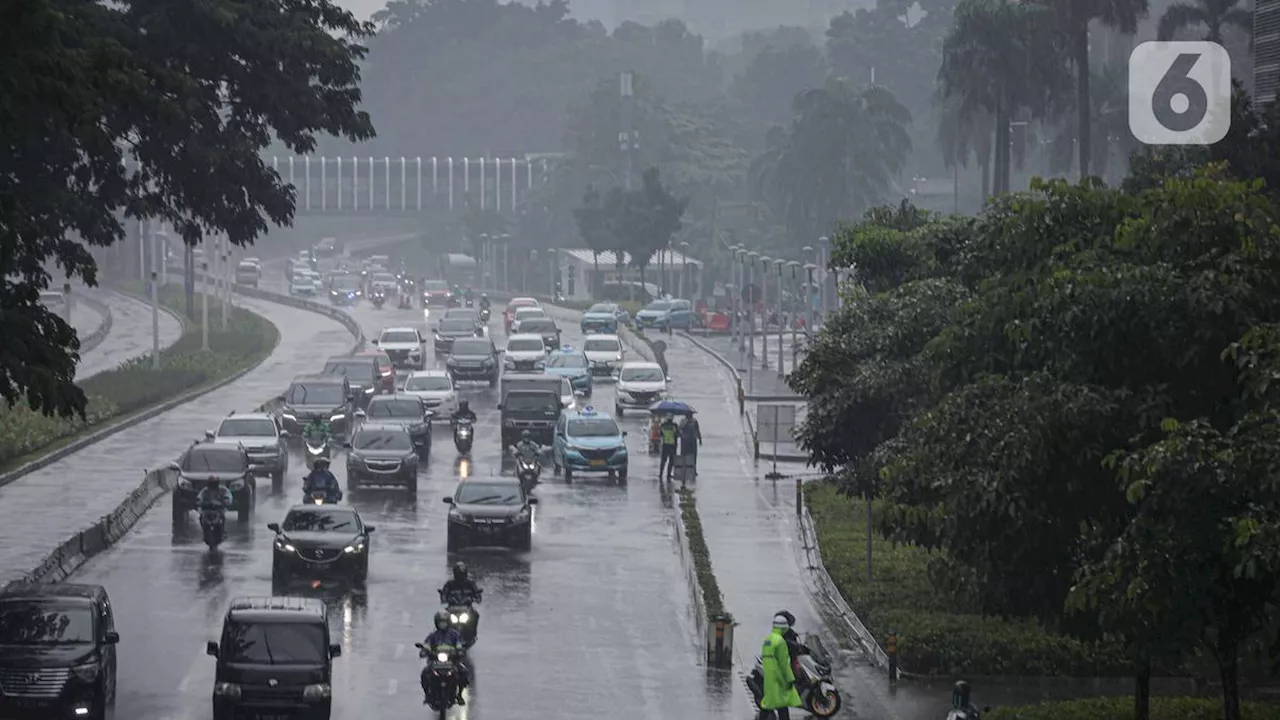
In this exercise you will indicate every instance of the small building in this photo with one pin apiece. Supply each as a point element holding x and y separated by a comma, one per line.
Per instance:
<point>669,273</point>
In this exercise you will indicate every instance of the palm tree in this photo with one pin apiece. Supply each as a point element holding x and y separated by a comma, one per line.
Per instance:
<point>1074,17</point>
<point>1000,57</point>
<point>1109,124</point>
<point>963,132</point>
<point>1212,14</point>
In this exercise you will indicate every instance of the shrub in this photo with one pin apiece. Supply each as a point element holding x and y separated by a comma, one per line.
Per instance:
<point>936,634</point>
<point>711,595</point>
<point>1121,708</point>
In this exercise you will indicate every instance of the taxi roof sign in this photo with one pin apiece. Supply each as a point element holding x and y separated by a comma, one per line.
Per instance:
<point>589,410</point>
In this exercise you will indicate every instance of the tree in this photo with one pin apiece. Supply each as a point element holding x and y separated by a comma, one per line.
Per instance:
<point>1110,134</point>
<point>1213,15</point>
<point>774,76</point>
<point>644,220</point>
<point>593,226</point>
<point>192,93</point>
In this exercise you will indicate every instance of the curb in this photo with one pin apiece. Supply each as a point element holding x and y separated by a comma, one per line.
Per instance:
<point>695,590</point>
<point>95,338</point>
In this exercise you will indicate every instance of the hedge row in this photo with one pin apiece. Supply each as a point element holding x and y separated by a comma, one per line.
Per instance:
<point>1121,708</point>
<point>934,636</point>
<point>711,595</point>
<point>134,386</point>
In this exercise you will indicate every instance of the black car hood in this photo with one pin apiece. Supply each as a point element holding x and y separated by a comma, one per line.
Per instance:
<point>489,511</point>
<point>473,358</point>
<point>45,656</point>
<point>285,675</point>
<point>406,423</point>
<point>457,333</point>
<point>326,411</point>
<point>326,540</point>
<point>381,454</point>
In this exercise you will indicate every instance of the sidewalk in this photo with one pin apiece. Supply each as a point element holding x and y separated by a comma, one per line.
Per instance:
<point>759,383</point>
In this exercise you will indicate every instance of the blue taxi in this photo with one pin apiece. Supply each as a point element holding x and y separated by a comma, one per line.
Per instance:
<point>587,441</point>
<point>572,364</point>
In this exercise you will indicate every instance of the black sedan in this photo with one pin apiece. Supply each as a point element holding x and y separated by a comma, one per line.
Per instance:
<point>493,511</point>
<point>320,542</point>
<point>451,329</point>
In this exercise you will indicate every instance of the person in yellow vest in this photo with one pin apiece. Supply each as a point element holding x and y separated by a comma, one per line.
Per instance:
<point>780,692</point>
<point>669,434</point>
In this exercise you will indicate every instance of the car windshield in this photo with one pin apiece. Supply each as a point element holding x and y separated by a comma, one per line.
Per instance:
<point>602,346</point>
<point>315,394</point>
<point>435,286</point>
<point>31,621</point>
<point>247,267</point>
<point>457,325</point>
<point>659,306</point>
<point>427,383</point>
<point>488,494</point>
<point>387,278</point>
<point>593,427</point>
<point>399,336</point>
<point>601,310</point>
<point>213,459</point>
<point>286,643</point>
<point>319,521</point>
<point>567,360</point>
<point>523,303</point>
<point>526,345</point>
<point>245,427</point>
<point>530,312</point>
<point>357,370</point>
<point>642,374</point>
<point>537,325</point>
<point>533,402</point>
<point>382,440</point>
<point>345,282</point>
<point>395,409</point>
<point>472,347</point>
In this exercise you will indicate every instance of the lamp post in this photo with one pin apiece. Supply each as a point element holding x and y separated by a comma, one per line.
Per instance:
<point>204,294</point>
<point>809,268</point>
<point>524,270</point>
<point>764,311</point>
<point>780,263</point>
<point>487,266</point>
<point>751,306</point>
<point>795,348</point>
<point>824,261</point>
<point>735,332</point>
<point>226,279</point>
<point>505,239</point>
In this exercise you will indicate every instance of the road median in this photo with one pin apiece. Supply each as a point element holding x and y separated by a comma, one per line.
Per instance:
<point>714,622</point>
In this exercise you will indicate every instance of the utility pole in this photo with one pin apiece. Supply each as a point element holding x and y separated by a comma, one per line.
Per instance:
<point>626,138</point>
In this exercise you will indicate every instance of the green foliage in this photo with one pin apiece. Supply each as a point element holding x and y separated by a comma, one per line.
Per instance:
<point>134,386</point>
<point>711,595</point>
<point>1121,708</point>
<point>176,134</point>
<point>935,636</point>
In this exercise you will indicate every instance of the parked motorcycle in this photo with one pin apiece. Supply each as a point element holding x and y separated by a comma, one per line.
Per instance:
<point>439,679</point>
<point>379,298</point>
<point>463,435</point>
<point>818,694</point>
<point>462,614</point>
<point>213,524</point>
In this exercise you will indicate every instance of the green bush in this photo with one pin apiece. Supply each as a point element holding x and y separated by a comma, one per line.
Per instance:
<point>1121,708</point>
<point>935,637</point>
<point>133,386</point>
<point>711,595</point>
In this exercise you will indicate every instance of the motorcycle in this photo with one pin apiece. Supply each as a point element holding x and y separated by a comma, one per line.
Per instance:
<point>317,449</point>
<point>471,303</point>
<point>818,694</point>
<point>320,497</point>
<point>527,470</point>
<point>439,679</point>
<point>213,523</point>
<point>484,315</point>
<point>462,614</point>
<point>463,435</point>
<point>379,298</point>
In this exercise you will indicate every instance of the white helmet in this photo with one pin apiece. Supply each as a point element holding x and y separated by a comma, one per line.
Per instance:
<point>780,622</point>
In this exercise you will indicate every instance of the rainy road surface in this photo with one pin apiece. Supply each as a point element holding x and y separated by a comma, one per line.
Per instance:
<point>82,487</point>
<point>595,621</point>
<point>130,336</point>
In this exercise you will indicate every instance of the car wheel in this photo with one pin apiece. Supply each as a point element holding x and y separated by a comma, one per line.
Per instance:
<point>555,466</point>
<point>622,475</point>
<point>362,572</point>
<point>453,540</point>
<point>277,482</point>
<point>179,510</point>
<point>617,410</point>
<point>244,508</point>
<point>524,539</point>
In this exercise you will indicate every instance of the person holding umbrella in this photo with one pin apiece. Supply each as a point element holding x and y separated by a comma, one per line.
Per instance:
<point>690,439</point>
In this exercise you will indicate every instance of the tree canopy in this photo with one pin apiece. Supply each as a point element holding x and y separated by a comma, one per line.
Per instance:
<point>188,95</point>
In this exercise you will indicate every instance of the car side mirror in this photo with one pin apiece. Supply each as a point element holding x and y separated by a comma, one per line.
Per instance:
<point>370,528</point>
<point>373,341</point>
<point>448,500</point>
<point>209,434</point>
<point>273,527</point>
<point>111,638</point>
<point>346,445</point>
<point>211,649</point>
<point>624,433</point>
<point>335,651</point>
<point>533,501</point>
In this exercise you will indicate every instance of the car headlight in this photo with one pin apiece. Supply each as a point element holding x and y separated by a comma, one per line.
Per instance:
<point>88,672</point>
<point>456,514</point>
<point>459,618</point>
<point>509,362</point>
<point>230,690</point>
<point>617,358</point>
<point>282,545</point>
<point>319,691</point>
<point>451,361</point>
<point>415,352</point>
<point>336,418</point>
<point>357,548</point>
<point>369,390</point>
<point>184,483</point>
<point>442,657</point>
<point>487,362</point>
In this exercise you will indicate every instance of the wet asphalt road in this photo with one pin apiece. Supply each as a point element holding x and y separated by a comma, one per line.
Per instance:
<point>130,336</point>
<point>596,619</point>
<point>82,487</point>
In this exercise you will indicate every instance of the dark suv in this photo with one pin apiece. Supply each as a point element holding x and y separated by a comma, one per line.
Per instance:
<point>203,463</point>
<point>473,360</point>
<point>327,397</point>
<point>275,659</point>
<point>57,652</point>
<point>534,410</point>
<point>361,372</point>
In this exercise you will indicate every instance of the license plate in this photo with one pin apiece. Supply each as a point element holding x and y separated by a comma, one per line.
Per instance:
<point>597,463</point>
<point>271,717</point>
<point>29,703</point>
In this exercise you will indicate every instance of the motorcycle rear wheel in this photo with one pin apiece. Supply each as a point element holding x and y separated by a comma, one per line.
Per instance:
<point>823,704</point>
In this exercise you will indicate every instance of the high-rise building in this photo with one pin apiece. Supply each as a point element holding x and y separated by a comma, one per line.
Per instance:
<point>1266,50</point>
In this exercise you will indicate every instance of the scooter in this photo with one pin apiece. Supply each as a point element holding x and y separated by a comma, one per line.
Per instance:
<point>818,694</point>
<point>527,470</point>
<point>463,435</point>
<point>484,315</point>
<point>462,614</point>
<point>213,523</point>
<point>439,679</point>
<point>471,303</point>
<point>379,298</point>
<point>317,449</point>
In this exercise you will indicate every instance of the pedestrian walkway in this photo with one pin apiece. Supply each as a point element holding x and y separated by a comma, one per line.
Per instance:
<point>751,530</point>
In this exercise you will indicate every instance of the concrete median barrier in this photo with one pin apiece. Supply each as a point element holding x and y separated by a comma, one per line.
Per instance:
<point>95,338</point>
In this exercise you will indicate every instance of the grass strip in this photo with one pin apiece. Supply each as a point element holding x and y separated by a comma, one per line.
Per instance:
<point>1121,708</point>
<point>711,596</point>
<point>133,387</point>
<point>937,633</point>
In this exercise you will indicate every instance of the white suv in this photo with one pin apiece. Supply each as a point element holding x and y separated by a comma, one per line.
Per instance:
<point>404,346</point>
<point>525,352</point>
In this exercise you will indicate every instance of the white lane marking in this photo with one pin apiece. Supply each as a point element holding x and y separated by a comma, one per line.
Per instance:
<point>399,651</point>
<point>391,686</point>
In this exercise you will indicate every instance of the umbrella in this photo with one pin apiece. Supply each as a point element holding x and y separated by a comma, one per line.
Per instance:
<point>672,407</point>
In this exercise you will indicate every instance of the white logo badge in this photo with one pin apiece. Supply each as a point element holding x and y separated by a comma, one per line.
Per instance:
<point>1179,93</point>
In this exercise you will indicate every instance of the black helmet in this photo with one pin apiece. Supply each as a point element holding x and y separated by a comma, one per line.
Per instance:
<point>464,405</point>
<point>459,571</point>
<point>442,619</point>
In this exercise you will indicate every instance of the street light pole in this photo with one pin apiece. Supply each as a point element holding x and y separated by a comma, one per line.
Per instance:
<point>795,346</point>
<point>735,331</point>
<point>155,301</point>
<point>204,294</point>
<point>780,263</point>
<point>226,280</point>
<point>751,307</point>
<point>684,271</point>
<point>626,138</point>
<point>824,261</point>
<point>506,244</point>
<point>764,311</point>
